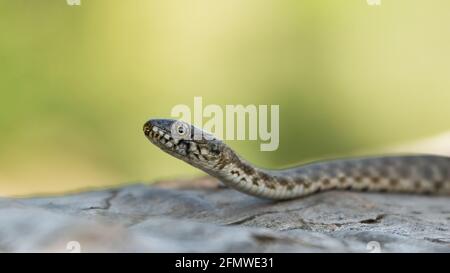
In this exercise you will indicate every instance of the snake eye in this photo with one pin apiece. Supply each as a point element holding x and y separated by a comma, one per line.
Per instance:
<point>180,130</point>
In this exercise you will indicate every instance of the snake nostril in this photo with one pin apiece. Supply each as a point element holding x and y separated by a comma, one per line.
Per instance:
<point>147,129</point>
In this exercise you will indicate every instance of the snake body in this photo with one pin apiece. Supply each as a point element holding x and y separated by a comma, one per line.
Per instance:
<point>394,173</point>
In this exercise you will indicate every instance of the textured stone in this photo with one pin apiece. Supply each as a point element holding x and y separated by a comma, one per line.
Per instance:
<point>200,216</point>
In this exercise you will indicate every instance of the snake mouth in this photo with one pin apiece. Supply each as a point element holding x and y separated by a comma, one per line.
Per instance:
<point>155,133</point>
<point>159,136</point>
<point>152,130</point>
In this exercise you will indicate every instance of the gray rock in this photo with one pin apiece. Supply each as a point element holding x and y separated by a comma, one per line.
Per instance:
<point>198,216</point>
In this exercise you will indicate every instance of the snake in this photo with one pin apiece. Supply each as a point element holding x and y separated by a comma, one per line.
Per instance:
<point>400,173</point>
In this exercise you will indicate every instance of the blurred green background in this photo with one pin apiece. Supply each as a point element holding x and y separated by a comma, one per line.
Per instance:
<point>78,82</point>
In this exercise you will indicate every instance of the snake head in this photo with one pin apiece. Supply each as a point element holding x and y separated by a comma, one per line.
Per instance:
<point>184,141</point>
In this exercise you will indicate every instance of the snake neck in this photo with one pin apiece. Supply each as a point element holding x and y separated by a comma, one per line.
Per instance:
<point>238,173</point>
<point>235,172</point>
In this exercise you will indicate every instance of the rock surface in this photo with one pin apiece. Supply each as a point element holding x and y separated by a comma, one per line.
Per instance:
<point>199,216</point>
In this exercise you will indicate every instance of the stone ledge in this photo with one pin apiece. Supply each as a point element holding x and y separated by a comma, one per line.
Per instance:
<point>195,215</point>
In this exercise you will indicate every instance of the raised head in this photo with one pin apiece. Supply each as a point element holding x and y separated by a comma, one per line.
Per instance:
<point>186,142</point>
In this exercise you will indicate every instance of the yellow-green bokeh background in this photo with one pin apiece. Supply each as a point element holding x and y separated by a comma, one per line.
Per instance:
<point>77,83</point>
